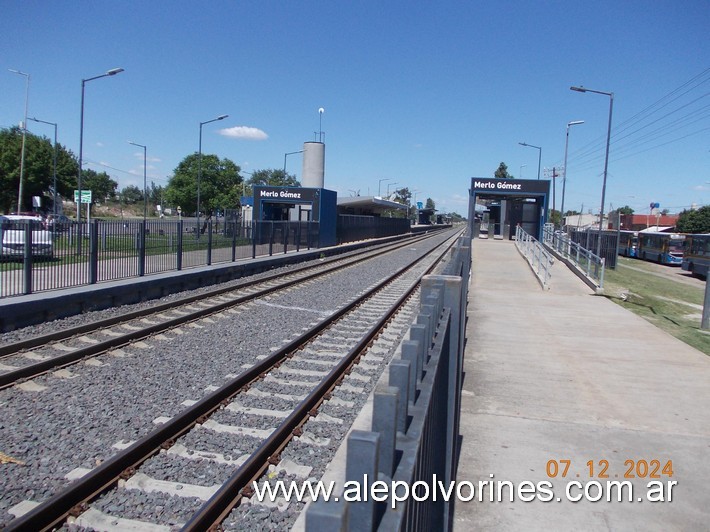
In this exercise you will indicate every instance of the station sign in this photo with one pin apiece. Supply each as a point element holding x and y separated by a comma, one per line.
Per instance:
<point>509,186</point>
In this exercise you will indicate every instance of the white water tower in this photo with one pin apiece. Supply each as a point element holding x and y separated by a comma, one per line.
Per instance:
<point>313,174</point>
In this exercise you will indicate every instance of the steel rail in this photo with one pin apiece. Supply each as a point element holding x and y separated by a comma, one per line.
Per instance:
<point>217,508</point>
<point>13,348</point>
<point>41,367</point>
<point>73,499</point>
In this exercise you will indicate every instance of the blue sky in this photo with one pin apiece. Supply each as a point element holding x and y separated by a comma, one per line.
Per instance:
<point>422,94</point>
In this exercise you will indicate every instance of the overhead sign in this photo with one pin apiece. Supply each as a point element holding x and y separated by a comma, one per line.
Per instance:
<point>509,186</point>
<point>85,196</point>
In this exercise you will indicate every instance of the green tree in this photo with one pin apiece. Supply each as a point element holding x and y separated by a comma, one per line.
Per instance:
<point>403,196</point>
<point>101,185</point>
<point>272,178</point>
<point>38,175</point>
<point>555,217</point>
<point>131,194</point>
<point>502,172</point>
<point>155,194</point>
<point>430,204</point>
<point>220,184</point>
<point>694,221</point>
<point>626,210</point>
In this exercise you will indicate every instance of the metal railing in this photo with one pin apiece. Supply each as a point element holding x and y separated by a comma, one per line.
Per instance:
<point>100,251</point>
<point>415,424</point>
<point>537,256</point>
<point>586,262</point>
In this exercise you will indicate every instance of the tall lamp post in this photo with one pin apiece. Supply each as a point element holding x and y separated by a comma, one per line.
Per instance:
<point>390,185</point>
<point>564,176</point>
<point>379,185</point>
<point>24,136</point>
<point>54,164</point>
<point>606,158</point>
<point>286,155</point>
<point>539,155</point>
<point>111,72</point>
<point>145,184</point>
<point>199,168</point>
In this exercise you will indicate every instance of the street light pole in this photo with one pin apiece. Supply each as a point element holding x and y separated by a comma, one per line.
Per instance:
<point>388,187</point>
<point>564,176</point>
<point>24,136</point>
<point>54,163</point>
<point>111,72</point>
<point>539,155</point>
<point>199,168</point>
<point>287,154</point>
<point>606,157</point>
<point>379,185</point>
<point>145,184</point>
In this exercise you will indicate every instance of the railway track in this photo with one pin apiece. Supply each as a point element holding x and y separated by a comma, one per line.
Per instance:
<point>29,358</point>
<point>265,407</point>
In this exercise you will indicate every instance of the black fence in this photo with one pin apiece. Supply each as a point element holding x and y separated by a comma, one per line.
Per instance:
<point>352,228</point>
<point>70,254</point>
<point>589,239</point>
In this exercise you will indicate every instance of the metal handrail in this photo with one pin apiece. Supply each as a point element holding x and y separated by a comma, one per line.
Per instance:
<point>539,259</point>
<point>587,262</point>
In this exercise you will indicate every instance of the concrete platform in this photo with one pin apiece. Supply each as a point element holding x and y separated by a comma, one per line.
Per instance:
<point>563,375</point>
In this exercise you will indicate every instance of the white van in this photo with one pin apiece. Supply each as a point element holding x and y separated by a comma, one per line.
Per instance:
<point>13,227</point>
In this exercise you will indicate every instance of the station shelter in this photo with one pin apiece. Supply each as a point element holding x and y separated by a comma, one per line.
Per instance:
<point>500,205</point>
<point>298,204</point>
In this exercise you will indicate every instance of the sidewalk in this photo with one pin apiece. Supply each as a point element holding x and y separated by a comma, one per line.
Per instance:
<point>565,375</point>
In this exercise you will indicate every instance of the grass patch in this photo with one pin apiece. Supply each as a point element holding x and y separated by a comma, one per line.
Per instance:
<point>670,305</point>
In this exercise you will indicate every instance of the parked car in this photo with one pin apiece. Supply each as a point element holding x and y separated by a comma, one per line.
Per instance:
<point>58,223</point>
<point>13,229</point>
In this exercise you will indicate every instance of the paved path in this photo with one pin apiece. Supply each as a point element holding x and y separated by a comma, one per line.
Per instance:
<point>565,375</point>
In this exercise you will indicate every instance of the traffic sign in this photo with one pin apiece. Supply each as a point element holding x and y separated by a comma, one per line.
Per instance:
<point>85,196</point>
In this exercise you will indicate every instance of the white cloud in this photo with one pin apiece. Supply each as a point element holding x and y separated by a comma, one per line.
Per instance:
<point>244,132</point>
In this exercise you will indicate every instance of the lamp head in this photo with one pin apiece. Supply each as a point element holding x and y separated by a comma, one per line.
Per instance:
<point>114,71</point>
<point>576,122</point>
<point>222,117</point>
<point>523,143</point>
<point>578,89</point>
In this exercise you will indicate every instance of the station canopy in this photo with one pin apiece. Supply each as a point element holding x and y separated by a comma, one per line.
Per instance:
<point>368,205</point>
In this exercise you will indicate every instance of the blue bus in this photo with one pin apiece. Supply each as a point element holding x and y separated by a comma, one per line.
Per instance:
<point>663,248</point>
<point>628,243</point>
<point>696,255</point>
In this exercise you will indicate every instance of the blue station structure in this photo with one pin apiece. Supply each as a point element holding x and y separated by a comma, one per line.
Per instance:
<point>503,204</point>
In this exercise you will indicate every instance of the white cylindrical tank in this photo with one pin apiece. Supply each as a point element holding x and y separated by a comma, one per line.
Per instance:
<point>313,174</point>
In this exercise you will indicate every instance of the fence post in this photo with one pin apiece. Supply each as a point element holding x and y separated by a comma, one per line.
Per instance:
<point>286,232</point>
<point>399,378</point>
<point>94,252</point>
<point>271,240</point>
<point>179,244</point>
<point>362,468</point>
<point>418,333</point>
<point>141,249</point>
<point>384,422</point>
<point>27,256</point>
<point>234,242</point>
<point>326,516</point>
<point>209,243</point>
<point>410,354</point>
